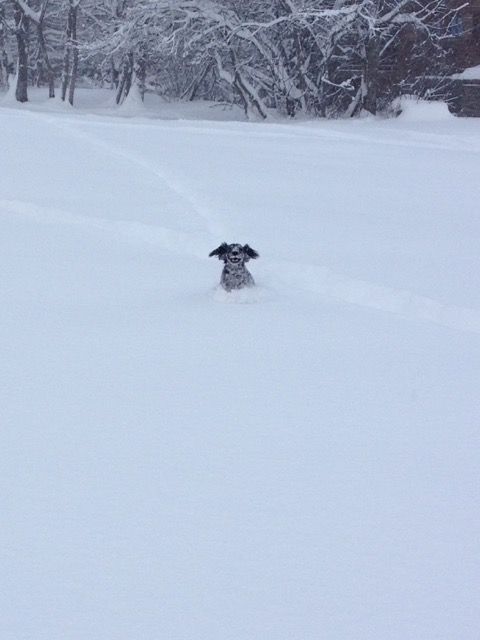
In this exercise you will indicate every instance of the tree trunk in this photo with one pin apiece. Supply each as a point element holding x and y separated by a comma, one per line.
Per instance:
<point>249,100</point>
<point>21,33</point>
<point>74,71</point>
<point>113,74</point>
<point>4,70</point>
<point>191,92</point>
<point>66,60</point>
<point>120,89</point>
<point>140,67</point>
<point>372,56</point>
<point>290,107</point>
<point>44,52</point>
<point>125,83</point>
<point>70,58</point>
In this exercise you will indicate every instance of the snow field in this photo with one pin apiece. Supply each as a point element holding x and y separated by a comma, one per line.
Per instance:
<point>293,462</point>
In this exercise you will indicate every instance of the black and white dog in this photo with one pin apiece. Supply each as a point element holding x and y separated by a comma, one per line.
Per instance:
<point>235,274</point>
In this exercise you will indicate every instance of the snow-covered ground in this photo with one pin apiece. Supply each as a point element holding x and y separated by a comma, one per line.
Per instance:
<point>299,462</point>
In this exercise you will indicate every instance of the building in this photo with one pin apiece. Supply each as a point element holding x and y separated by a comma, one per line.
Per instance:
<point>465,47</point>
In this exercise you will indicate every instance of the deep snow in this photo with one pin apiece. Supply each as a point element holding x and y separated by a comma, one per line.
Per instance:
<point>298,462</point>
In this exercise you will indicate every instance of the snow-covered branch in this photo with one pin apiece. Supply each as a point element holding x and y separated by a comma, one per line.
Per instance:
<point>324,57</point>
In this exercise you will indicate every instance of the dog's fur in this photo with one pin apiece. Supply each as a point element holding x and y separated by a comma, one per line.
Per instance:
<point>235,275</point>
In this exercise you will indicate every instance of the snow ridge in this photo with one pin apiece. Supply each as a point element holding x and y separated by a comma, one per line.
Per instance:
<point>282,274</point>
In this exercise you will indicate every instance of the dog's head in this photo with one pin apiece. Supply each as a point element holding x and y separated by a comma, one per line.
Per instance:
<point>234,253</point>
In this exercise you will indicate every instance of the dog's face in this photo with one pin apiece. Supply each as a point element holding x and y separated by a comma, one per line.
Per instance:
<point>234,254</point>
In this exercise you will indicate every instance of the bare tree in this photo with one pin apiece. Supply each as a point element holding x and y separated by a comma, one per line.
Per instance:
<point>42,44</point>
<point>21,29</point>
<point>70,60</point>
<point>320,57</point>
<point>4,62</point>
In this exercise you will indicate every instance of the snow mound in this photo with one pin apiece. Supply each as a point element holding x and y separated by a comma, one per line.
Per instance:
<point>56,104</point>
<point>8,98</point>
<point>249,295</point>
<point>414,109</point>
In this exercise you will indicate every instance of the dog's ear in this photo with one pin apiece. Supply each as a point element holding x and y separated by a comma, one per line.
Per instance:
<point>251,253</point>
<point>219,251</point>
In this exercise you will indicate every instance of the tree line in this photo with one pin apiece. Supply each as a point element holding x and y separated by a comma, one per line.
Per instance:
<point>324,58</point>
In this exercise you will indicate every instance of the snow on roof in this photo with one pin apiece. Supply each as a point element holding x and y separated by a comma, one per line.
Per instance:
<point>472,73</point>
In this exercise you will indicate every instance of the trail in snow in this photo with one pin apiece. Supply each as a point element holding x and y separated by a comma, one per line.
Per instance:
<point>168,180</point>
<point>313,278</point>
<point>317,280</point>
<point>329,196</point>
<point>168,240</point>
<point>326,283</point>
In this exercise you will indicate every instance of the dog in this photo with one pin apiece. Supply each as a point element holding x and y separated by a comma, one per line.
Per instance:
<point>235,275</point>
